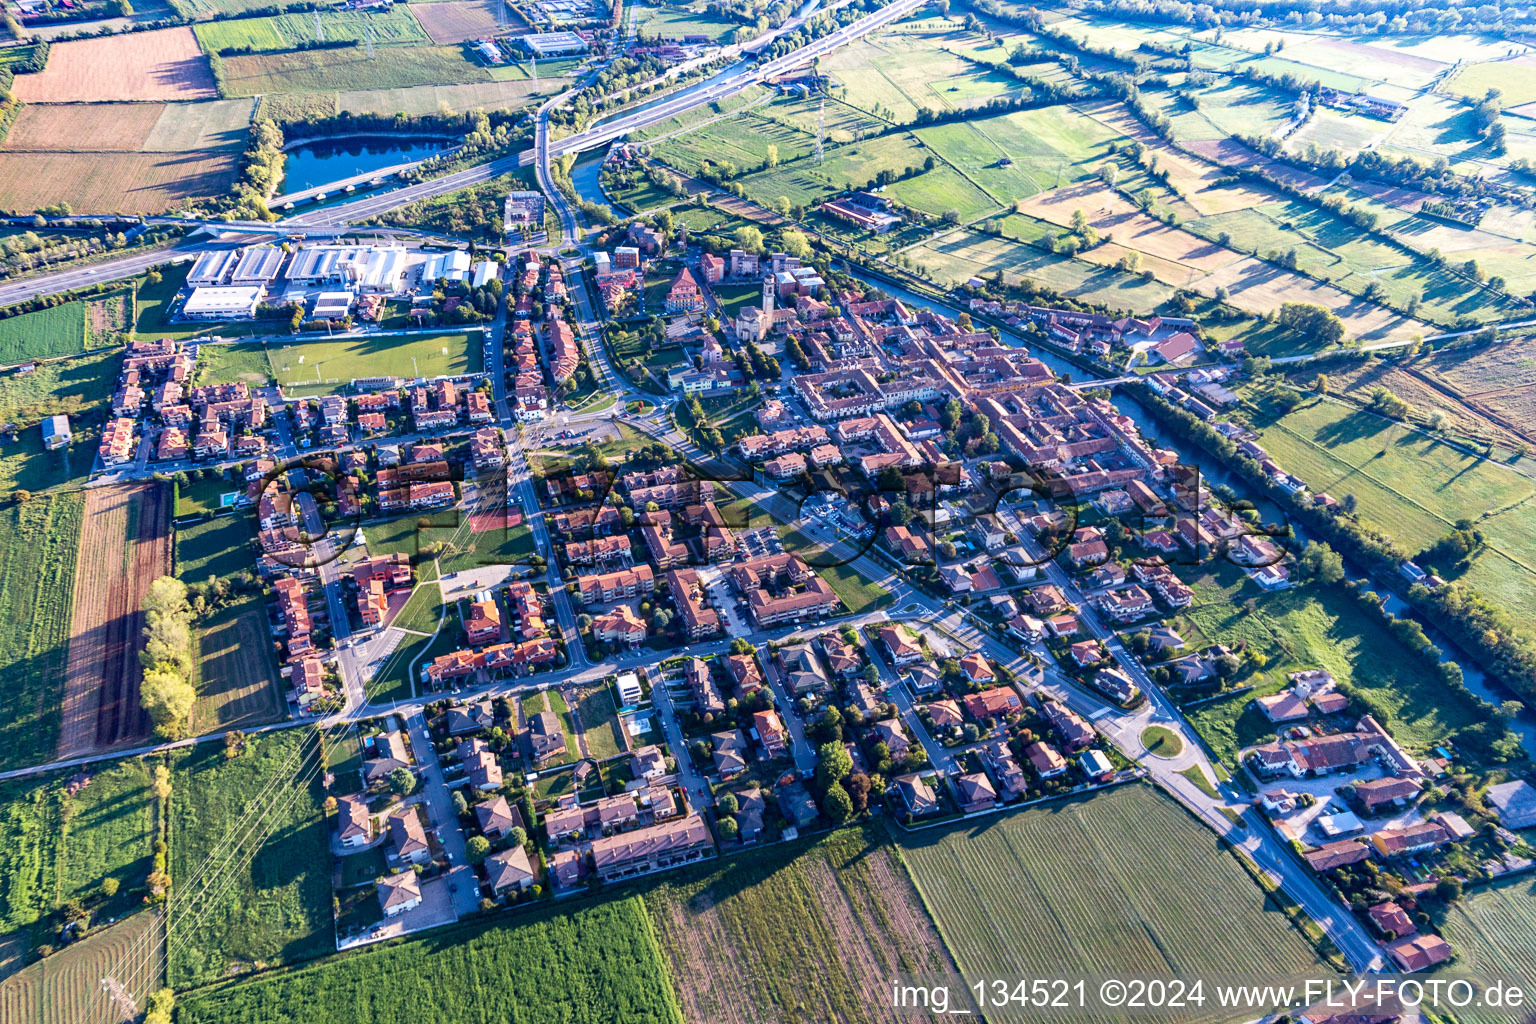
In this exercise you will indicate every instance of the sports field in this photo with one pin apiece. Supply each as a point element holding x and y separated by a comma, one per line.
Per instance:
<point>1123,884</point>
<point>324,364</point>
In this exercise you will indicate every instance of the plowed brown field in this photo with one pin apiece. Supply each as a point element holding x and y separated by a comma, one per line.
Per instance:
<point>124,545</point>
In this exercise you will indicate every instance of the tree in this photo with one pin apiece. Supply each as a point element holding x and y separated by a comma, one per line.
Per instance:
<point>834,765</point>
<point>168,698</point>
<point>1321,562</point>
<point>162,782</point>
<point>794,243</point>
<point>329,806</point>
<point>402,780</point>
<point>158,1007</point>
<point>477,849</point>
<point>460,805</point>
<point>772,159</point>
<point>166,692</point>
<point>518,835</point>
<point>728,804</point>
<point>749,239</point>
<point>109,887</point>
<point>837,805</point>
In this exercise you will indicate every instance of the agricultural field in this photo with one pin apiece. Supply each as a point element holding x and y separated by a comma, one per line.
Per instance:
<point>531,964</point>
<point>804,931</point>
<point>129,183</point>
<point>1119,884</point>
<point>1311,627</point>
<point>277,906</point>
<point>309,71</point>
<point>38,542</point>
<point>62,845</point>
<point>214,547</point>
<point>126,545</point>
<point>45,334</point>
<point>428,99</point>
<point>165,64</point>
<point>237,681</point>
<point>67,985</point>
<point>68,386</point>
<point>1494,934</point>
<point>83,127</point>
<point>200,127</point>
<point>286,31</point>
<point>1497,381</point>
<point>1414,487</point>
<point>677,22</point>
<point>1516,79</point>
<point>320,365</point>
<point>455,21</point>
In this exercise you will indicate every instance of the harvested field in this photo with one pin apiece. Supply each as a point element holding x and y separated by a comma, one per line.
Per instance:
<point>195,127</point>
<point>1260,287</point>
<point>395,67</point>
<point>797,935</point>
<point>428,99</point>
<point>166,64</point>
<point>122,183</point>
<point>67,985</point>
<point>125,545</point>
<point>83,127</point>
<point>454,21</point>
<point>237,685</point>
<point>1120,884</point>
<point>1494,935</point>
<point>1111,214</point>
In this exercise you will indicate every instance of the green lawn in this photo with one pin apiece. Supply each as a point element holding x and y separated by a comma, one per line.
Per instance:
<point>596,711</point>
<point>1413,487</point>
<point>58,847</point>
<point>587,963</point>
<point>324,365</point>
<point>203,497</point>
<point>1311,626</point>
<point>236,361</point>
<point>68,386</point>
<point>277,909</point>
<point>1120,884</point>
<point>237,679</point>
<point>1162,742</point>
<point>55,331</point>
<point>38,542</point>
<point>214,547</point>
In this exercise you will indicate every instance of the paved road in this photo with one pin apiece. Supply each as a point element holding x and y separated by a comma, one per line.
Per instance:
<point>464,889</point>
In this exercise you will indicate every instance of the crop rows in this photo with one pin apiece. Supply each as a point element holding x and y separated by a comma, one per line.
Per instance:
<point>1123,883</point>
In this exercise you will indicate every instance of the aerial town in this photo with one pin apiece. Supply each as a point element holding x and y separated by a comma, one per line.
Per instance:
<point>732,513</point>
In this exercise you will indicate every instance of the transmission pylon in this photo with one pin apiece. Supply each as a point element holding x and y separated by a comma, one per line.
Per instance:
<point>120,996</point>
<point>368,38</point>
<point>821,131</point>
<point>533,60</point>
<point>319,29</point>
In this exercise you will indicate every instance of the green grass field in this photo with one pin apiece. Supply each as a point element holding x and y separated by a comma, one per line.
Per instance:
<point>808,930</point>
<point>580,964</point>
<point>1124,884</point>
<point>312,71</point>
<point>214,547</point>
<point>314,367</point>
<point>38,543</point>
<point>1414,488</point>
<point>237,678</point>
<point>238,361</point>
<point>595,710</point>
<point>58,847</point>
<point>1310,627</point>
<point>675,23</point>
<point>51,332</point>
<point>68,386</point>
<point>285,31</point>
<point>277,908</point>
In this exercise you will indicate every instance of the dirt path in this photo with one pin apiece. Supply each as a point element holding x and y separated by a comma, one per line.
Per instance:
<point>125,544</point>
